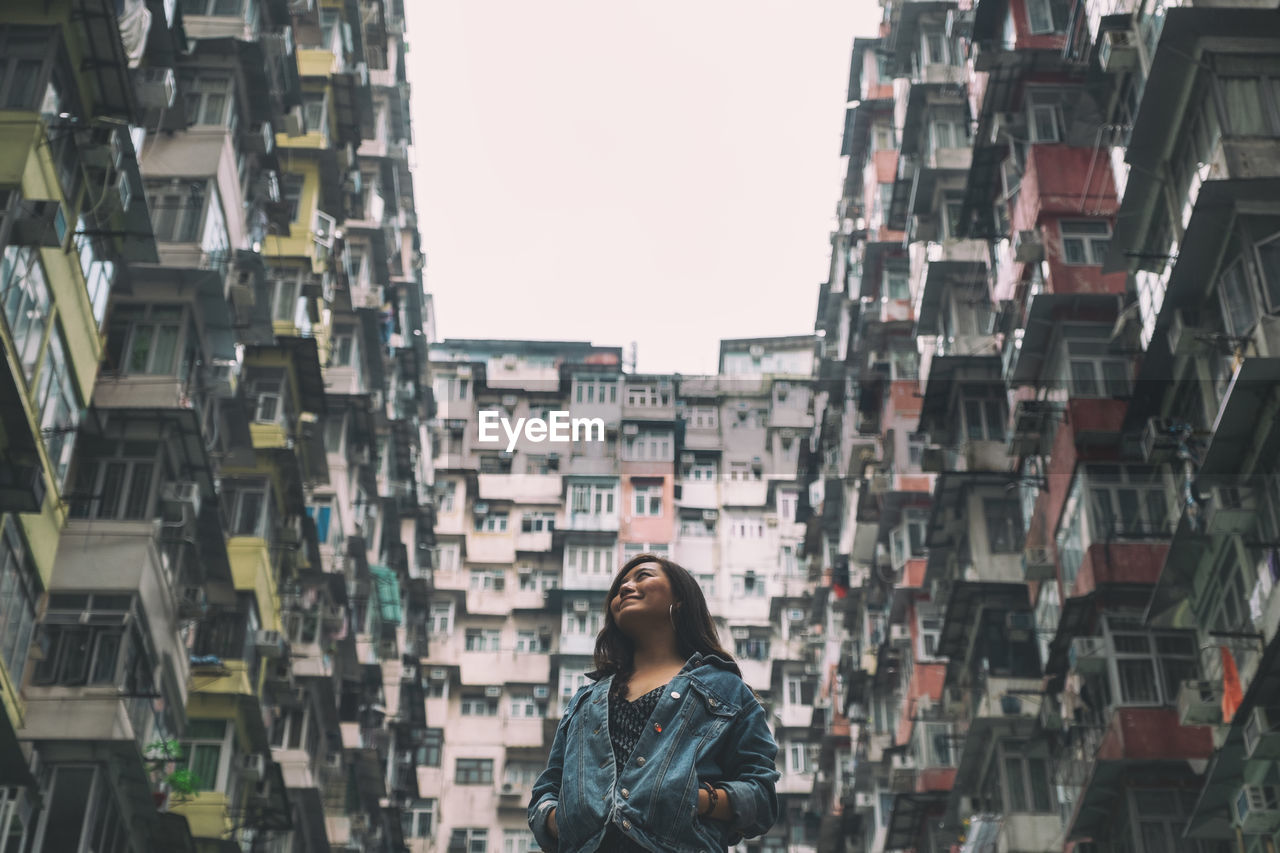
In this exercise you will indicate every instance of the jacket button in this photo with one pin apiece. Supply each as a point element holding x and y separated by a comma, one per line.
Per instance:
<point>711,702</point>
<point>626,824</point>
<point>604,763</point>
<point>657,728</point>
<point>625,793</point>
<point>675,694</point>
<point>640,760</point>
<point>596,732</point>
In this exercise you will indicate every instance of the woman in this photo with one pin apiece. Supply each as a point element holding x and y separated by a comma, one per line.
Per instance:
<point>668,749</point>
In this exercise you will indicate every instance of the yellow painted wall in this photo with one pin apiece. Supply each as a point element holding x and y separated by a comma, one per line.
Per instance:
<point>251,571</point>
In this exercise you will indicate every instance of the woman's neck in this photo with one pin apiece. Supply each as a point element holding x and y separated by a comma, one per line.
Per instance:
<point>658,653</point>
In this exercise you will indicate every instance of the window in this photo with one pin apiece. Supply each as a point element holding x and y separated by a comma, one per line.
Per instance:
<point>473,771</point>
<point>930,625</point>
<point>933,744</point>
<point>701,472</point>
<point>648,500</point>
<point>707,582</point>
<point>26,58</point>
<point>150,339</point>
<point>492,522</point>
<point>440,618</point>
<point>907,540</point>
<point>116,479</point>
<point>582,623</point>
<point>882,137</point>
<point>788,560</point>
<point>81,812</point>
<point>948,131</point>
<point>1149,667</point>
<point>291,185</point>
<point>701,417</point>
<point>1025,778</point>
<point>1004,524</point>
<point>525,706</point>
<point>343,350</point>
<point>1039,17</point>
<point>589,560</point>
<point>1084,241</point>
<point>647,396</point>
<point>207,750</point>
<point>25,297</point>
<point>1127,501</point>
<point>321,512</point>
<point>468,840</point>
<point>479,706</point>
<point>313,111</point>
<point>884,201</point>
<point>1093,371</point>
<point>787,505</point>
<point>19,591</point>
<point>751,648</point>
<point>532,641</point>
<point>904,364</point>
<point>748,584</point>
<point>603,391</point>
<point>418,819</point>
<point>218,8</point>
<point>177,208</point>
<point>433,744</point>
<point>592,498</point>
<point>1239,309</point>
<point>798,758</point>
<point>519,841</point>
<point>538,581</point>
<point>57,407</point>
<point>249,506</point>
<point>933,46</point>
<point>286,289</point>
<point>896,283</point>
<point>746,528</point>
<point>99,272</point>
<point>648,446</point>
<point>635,549</point>
<point>537,522</point>
<point>488,580</point>
<point>984,416</point>
<point>1045,115</point>
<point>482,639</point>
<point>1247,91</point>
<point>210,100</point>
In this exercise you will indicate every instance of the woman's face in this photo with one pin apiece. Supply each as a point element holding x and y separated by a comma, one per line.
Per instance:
<point>644,597</point>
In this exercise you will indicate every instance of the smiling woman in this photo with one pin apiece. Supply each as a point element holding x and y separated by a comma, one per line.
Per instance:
<point>668,748</point>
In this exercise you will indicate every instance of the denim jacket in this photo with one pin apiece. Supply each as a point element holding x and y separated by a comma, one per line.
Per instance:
<point>707,726</point>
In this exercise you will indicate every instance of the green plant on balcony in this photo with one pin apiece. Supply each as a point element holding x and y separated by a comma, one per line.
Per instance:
<point>179,782</point>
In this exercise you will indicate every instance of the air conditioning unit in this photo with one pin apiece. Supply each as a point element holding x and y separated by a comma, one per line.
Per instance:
<point>756,351</point>
<point>480,508</point>
<point>686,459</point>
<point>1028,247</point>
<point>509,788</point>
<point>252,766</point>
<point>1262,733</point>
<point>154,87</point>
<point>1255,809</point>
<point>1230,511</point>
<point>1088,654</point>
<point>1038,564</point>
<point>463,371</point>
<point>710,514</point>
<point>438,674</point>
<point>323,229</point>
<point>269,643</point>
<point>771,521</point>
<point>180,501</point>
<point>581,606</point>
<point>541,691</point>
<point>1161,438</point>
<point>1118,50</point>
<point>899,634</point>
<point>782,389</point>
<point>757,463</point>
<point>740,633</point>
<point>509,401</point>
<point>630,429</point>
<point>100,147</point>
<point>864,801</point>
<point>1200,703</point>
<point>493,692</point>
<point>509,361</point>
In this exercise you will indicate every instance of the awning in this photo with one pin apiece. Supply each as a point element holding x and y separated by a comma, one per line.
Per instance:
<point>907,820</point>
<point>386,587</point>
<point>949,375</point>
<point>963,276</point>
<point>1044,313</point>
<point>965,604</point>
<point>1171,600</point>
<point>1245,428</point>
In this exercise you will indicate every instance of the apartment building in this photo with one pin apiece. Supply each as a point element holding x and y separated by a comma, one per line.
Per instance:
<point>215,509</point>
<point>1046,400</point>
<point>529,534</point>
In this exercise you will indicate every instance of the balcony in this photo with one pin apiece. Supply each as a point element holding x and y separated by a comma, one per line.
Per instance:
<point>520,488</point>
<point>589,522</point>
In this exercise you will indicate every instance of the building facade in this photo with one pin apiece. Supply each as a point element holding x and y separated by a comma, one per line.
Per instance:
<point>215,504</point>
<point>1048,337</point>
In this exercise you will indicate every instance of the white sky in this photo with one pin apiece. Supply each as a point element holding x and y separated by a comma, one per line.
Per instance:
<point>663,172</point>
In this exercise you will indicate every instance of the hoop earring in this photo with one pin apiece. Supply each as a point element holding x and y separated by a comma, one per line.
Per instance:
<point>671,614</point>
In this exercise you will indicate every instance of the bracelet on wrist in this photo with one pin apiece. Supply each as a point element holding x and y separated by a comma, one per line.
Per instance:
<point>712,797</point>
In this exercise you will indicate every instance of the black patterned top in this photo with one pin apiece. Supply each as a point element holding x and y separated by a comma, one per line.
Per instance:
<point>627,721</point>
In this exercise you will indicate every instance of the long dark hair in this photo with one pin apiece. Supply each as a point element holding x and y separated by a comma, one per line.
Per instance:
<point>695,632</point>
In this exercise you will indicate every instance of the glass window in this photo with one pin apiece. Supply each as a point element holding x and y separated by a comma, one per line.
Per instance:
<point>1085,242</point>
<point>177,208</point>
<point>418,819</point>
<point>209,98</point>
<point>25,298</point>
<point>58,407</point>
<point>1039,17</point>
<point>1004,524</point>
<point>26,57</point>
<point>473,771</point>
<point>19,591</point>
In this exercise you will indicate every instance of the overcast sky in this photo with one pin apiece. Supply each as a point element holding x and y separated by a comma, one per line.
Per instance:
<point>663,172</point>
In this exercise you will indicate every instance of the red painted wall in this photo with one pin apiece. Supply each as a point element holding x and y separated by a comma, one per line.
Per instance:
<point>1153,733</point>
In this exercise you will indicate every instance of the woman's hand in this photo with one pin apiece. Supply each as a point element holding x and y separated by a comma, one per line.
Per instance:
<point>723,809</point>
<point>551,822</point>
